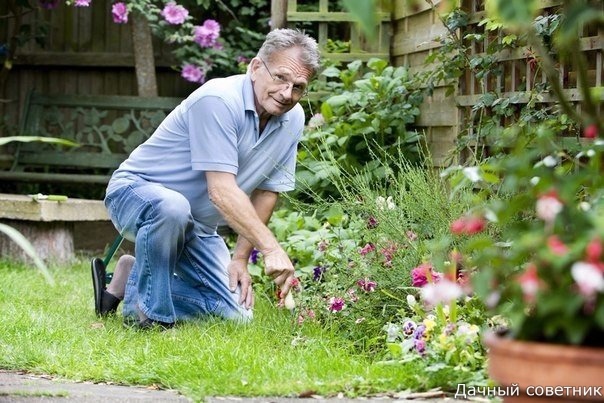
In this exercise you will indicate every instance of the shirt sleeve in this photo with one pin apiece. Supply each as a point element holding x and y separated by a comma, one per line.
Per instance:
<point>213,135</point>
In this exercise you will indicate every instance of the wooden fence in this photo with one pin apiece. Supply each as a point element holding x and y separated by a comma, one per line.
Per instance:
<point>416,34</point>
<point>85,53</point>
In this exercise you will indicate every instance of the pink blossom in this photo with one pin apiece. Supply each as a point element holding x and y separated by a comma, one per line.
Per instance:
<point>367,249</point>
<point>119,11</point>
<point>548,206</point>
<point>206,34</point>
<point>174,14</point>
<point>529,282</point>
<point>556,246</point>
<point>352,295</point>
<point>192,73</point>
<point>317,120</point>
<point>372,222</point>
<point>468,225</point>
<point>411,236</point>
<point>323,245</point>
<point>588,277</point>
<point>593,250</point>
<point>367,285</point>
<point>81,3</point>
<point>442,292</point>
<point>424,274</point>
<point>336,304</point>
<point>591,131</point>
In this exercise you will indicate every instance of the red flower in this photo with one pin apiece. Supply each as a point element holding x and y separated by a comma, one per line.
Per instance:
<point>556,246</point>
<point>468,225</point>
<point>590,132</point>
<point>593,251</point>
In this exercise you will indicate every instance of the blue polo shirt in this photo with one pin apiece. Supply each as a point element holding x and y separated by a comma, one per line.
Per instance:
<point>217,129</point>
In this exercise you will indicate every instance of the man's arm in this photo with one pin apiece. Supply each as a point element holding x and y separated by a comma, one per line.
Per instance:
<point>248,218</point>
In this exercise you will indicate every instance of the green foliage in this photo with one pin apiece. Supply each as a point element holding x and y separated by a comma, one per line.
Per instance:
<point>369,118</point>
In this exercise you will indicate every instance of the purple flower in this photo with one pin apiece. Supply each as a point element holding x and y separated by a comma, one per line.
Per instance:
<point>119,11</point>
<point>81,3</point>
<point>48,4</point>
<point>372,222</point>
<point>367,285</point>
<point>424,274</point>
<point>242,59</point>
<point>175,14</point>
<point>317,273</point>
<point>254,256</point>
<point>420,346</point>
<point>206,34</point>
<point>336,304</point>
<point>419,332</point>
<point>409,327</point>
<point>367,249</point>
<point>193,73</point>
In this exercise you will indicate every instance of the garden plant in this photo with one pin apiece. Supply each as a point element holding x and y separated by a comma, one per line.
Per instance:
<point>401,267</point>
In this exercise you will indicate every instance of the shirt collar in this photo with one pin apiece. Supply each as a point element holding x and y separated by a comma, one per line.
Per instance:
<point>248,100</point>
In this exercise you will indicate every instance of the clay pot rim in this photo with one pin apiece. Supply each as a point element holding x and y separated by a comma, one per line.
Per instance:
<point>555,352</point>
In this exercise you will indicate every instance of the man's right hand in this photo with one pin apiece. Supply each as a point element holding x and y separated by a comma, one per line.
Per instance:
<point>278,266</point>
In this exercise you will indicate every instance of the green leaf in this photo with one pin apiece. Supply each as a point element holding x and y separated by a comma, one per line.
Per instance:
<point>365,13</point>
<point>28,248</point>
<point>120,125</point>
<point>29,139</point>
<point>513,12</point>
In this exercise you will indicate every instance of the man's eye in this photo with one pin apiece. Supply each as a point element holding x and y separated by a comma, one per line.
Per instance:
<point>280,78</point>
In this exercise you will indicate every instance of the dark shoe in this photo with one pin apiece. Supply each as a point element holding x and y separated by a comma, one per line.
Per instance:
<point>104,302</point>
<point>147,324</point>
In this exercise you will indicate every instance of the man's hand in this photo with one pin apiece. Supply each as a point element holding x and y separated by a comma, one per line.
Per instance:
<point>278,266</point>
<point>238,274</point>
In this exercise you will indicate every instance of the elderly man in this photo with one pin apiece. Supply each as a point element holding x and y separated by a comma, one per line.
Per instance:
<point>223,155</point>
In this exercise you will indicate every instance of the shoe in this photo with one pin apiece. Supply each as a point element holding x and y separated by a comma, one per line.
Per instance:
<point>104,302</point>
<point>147,324</point>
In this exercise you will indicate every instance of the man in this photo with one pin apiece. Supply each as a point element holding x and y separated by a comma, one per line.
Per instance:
<point>224,154</point>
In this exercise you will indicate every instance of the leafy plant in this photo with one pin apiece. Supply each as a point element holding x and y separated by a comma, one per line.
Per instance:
<point>370,118</point>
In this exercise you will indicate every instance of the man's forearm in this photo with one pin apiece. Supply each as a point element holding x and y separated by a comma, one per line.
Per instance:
<point>241,214</point>
<point>264,204</point>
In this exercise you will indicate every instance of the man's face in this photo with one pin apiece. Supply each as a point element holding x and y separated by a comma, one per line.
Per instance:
<point>280,82</point>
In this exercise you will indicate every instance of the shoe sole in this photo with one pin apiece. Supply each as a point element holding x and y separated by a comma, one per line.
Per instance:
<point>97,268</point>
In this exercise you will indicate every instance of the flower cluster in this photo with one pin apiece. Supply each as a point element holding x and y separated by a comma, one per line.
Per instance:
<point>173,23</point>
<point>536,252</point>
<point>440,335</point>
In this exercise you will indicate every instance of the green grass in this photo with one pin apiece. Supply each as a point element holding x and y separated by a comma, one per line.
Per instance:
<point>53,330</point>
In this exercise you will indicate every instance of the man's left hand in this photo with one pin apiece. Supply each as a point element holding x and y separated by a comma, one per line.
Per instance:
<point>238,274</point>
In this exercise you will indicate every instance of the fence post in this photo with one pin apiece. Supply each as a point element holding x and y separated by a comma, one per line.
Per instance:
<point>278,14</point>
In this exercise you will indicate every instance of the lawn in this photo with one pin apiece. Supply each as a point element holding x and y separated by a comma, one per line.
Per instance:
<point>53,330</point>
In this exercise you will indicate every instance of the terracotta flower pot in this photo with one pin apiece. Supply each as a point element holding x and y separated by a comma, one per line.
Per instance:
<point>546,372</point>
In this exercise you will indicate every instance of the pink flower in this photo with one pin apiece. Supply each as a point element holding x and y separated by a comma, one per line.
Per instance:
<point>548,206</point>
<point>206,34</point>
<point>468,225</point>
<point>372,222</point>
<point>119,11</point>
<point>593,250</point>
<point>323,245</point>
<point>367,249</point>
<point>529,282</point>
<point>424,274</point>
<point>174,14</point>
<point>81,3</point>
<point>336,304</point>
<point>411,236</point>
<point>556,246</point>
<point>591,131</point>
<point>388,253</point>
<point>367,285</point>
<point>192,73</point>
<point>317,120</point>
<point>588,278</point>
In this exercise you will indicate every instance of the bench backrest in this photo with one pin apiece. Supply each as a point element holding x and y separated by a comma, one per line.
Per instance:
<point>106,129</point>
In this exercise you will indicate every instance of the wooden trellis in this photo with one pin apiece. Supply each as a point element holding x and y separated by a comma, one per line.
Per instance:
<point>331,23</point>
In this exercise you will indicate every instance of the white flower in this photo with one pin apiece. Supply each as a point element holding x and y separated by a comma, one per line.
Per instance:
<point>585,206</point>
<point>472,173</point>
<point>317,120</point>
<point>443,292</point>
<point>548,208</point>
<point>411,301</point>
<point>383,203</point>
<point>550,161</point>
<point>535,180</point>
<point>588,277</point>
<point>392,331</point>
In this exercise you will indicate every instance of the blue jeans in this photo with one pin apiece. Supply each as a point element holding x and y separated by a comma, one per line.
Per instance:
<point>180,272</point>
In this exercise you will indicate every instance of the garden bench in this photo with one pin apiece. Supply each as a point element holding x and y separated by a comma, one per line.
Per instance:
<point>105,128</point>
